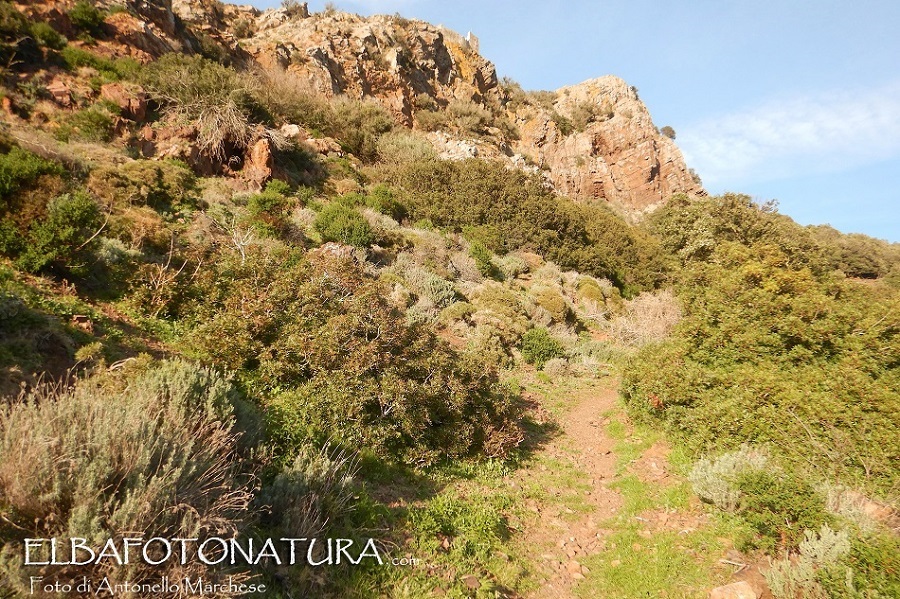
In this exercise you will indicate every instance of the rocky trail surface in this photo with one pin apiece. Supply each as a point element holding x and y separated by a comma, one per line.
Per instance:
<point>563,542</point>
<point>606,502</point>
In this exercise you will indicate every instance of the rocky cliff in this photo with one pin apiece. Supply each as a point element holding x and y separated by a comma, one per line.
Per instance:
<point>610,151</point>
<point>594,141</point>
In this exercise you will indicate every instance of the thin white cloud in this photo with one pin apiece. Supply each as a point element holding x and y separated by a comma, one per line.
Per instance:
<point>798,136</point>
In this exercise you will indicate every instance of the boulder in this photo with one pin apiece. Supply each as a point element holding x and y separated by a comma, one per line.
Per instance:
<point>131,100</point>
<point>60,93</point>
<point>737,590</point>
<point>258,163</point>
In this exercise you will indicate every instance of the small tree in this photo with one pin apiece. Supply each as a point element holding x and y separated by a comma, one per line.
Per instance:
<point>668,132</point>
<point>86,17</point>
<point>341,223</point>
<point>538,347</point>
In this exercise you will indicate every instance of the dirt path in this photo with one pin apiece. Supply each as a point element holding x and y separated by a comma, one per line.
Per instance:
<point>604,495</point>
<point>559,536</point>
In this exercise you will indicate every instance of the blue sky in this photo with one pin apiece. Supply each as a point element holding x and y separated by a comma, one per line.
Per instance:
<point>794,100</point>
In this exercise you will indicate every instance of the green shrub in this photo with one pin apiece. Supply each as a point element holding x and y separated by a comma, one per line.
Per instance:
<point>508,210</point>
<point>439,292</point>
<point>337,360</point>
<point>771,353</point>
<point>856,255</point>
<point>47,36</point>
<point>243,28</point>
<point>359,124</point>
<point>874,563</point>
<point>92,124</point>
<point>60,239</point>
<point>583,114</point>
<point>469,118</point>
<point>343,224</point>
<point>308,498</point>
<point>270,209</point>
<point>16,44</point>
<point>552,301</point>
<point>164,185</point>
<point>20,168</point>
<point>150,452</point>
<point>323,482</point>
<point>455,312</point>
<point>538,347</point>
<point>693,229</point>
<point>291,99</point>
<point>87,18</point>
<point>511,266</point>
<point>484,260</point>
<point>432,120</point>
<point>382,199</point>
<point>112,70</point>
<point>403,147</point>
<point>779,507</point>
<point>500,315</point>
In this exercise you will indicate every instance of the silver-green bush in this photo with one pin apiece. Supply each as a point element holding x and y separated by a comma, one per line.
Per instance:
<point>714,479</point>
<point>150,454</point>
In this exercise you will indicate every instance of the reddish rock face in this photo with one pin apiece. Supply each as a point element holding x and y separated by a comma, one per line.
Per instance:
<point>60,93</point>
<point>259,163</point>
<point>389,58</point>
<point>131,100</point>
<point>593,142</point>
<point>618,157</point>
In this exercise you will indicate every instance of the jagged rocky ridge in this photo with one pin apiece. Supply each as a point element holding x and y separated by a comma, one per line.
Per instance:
<point>594,141</point>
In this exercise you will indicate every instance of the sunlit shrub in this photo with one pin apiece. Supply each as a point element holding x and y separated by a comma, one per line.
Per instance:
<point>340,361</point>
<point>86,17</point>
<point>715,480</point>
<point>19,168</point>
<point>539,347</point>
<point>60,240</point>
<point>165,185</point>
<point>107,458</point>
<point>341,223</point>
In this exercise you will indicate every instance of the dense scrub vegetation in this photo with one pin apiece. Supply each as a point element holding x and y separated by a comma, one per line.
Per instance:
<point>108,456</point>
<point>774,347</point>
<point>340,362</point>
<point>779,349</point>
<point>507,210</point>
<point>373,303</point>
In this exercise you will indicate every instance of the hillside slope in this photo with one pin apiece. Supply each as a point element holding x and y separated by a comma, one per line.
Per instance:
<point>595,142</point>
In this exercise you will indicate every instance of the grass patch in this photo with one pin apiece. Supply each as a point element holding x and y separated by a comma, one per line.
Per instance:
<point>667,564</point>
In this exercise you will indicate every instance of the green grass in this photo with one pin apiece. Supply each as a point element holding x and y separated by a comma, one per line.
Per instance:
<point>559,483</point>
<point>640,496</point>
<point>668,564</point>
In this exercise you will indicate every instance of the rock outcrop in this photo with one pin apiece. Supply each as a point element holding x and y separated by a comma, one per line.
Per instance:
<point>594,142</point>
<point>396,60</point>
<point>618,157</point>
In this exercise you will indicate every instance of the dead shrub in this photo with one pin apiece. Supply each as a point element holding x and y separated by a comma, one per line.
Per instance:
<point>647,318</point>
